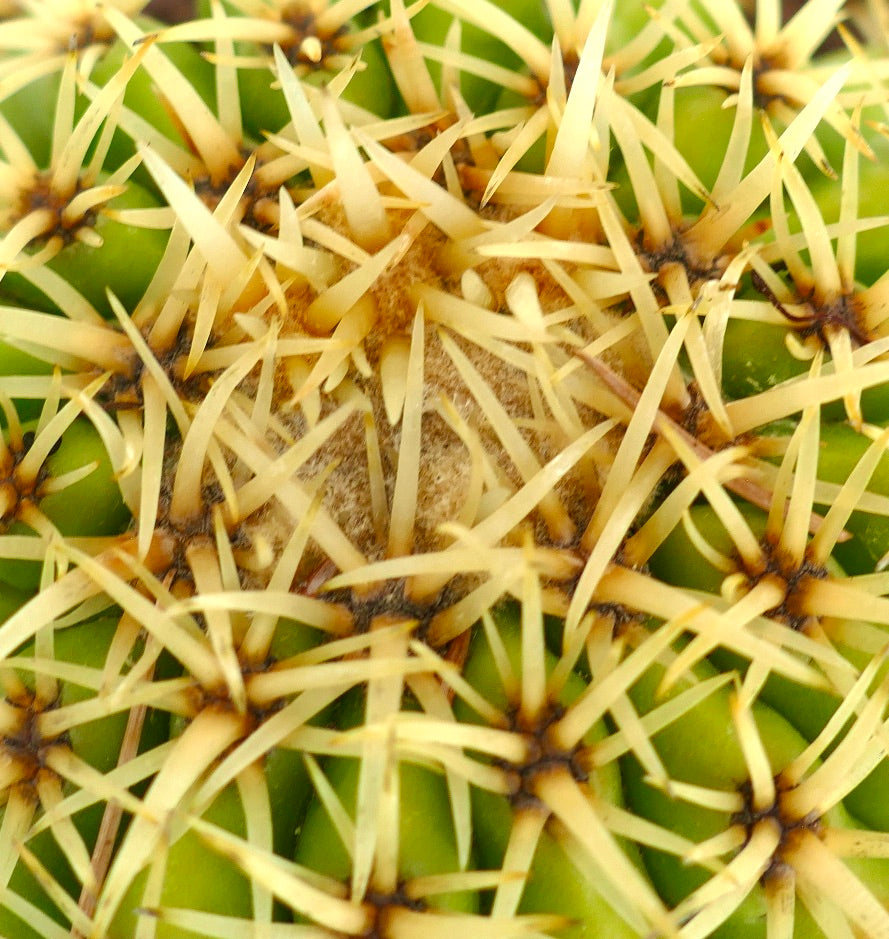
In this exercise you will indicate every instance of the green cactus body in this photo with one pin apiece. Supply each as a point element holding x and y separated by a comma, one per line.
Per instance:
<point>426,839</point>
<point>79,447</point>
<point>430,513</point>
<point>225,892</point>
<point>124,263</point>
<point>97,742</point>
<point>703,748</point>
<point>553,884</point>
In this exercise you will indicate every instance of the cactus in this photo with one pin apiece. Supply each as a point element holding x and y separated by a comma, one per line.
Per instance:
<point>443,470</point>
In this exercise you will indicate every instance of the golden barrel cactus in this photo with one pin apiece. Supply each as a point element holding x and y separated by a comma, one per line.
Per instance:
<point>443,480</point>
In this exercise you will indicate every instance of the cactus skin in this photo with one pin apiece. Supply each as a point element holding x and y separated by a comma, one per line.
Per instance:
<point>553,884</point>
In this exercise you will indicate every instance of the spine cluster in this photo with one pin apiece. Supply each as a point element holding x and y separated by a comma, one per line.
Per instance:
<point>443,485</point>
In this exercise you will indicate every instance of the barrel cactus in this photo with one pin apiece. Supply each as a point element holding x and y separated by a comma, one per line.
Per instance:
<point>444,480</point>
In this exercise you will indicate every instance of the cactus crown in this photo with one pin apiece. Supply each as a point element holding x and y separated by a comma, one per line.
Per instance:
<point>443,480</point>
